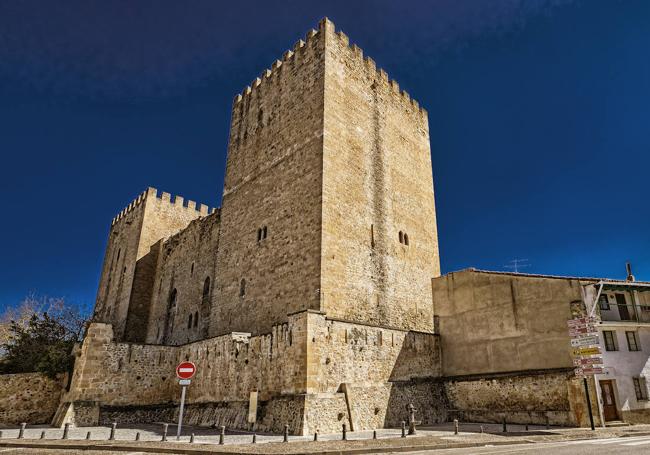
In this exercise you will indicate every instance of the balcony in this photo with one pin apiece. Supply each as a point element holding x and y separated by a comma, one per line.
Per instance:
<point>625,313</point>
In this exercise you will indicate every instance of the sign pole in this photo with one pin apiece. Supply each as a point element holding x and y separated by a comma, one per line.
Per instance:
<point>591,414</point>
<point>180,412</point>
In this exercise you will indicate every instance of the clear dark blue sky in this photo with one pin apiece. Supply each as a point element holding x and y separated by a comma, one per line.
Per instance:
<point>539,113</point>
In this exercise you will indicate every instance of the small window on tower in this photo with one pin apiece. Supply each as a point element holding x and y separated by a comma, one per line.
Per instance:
<point>406,239</point>
<point>196,319</point>
<point>259,234</point>
<point>189,322</point>
<point>242,288</point>
<point>401,237</point>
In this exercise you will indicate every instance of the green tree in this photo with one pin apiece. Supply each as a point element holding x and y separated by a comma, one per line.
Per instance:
<point>41,339</point>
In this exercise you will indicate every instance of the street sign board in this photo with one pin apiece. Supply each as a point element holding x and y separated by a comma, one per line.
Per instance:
<point>590,340</point>
<point>184,381</point>
<point>596,360</point>
<point>581,321</point>
<point>593,350</point>
<point>588,371</point>
<point>185,370</point>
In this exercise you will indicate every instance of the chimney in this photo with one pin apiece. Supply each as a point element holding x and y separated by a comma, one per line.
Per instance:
<point>630,277</point>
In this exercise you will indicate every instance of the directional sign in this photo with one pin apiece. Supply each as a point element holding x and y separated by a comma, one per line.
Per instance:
<point>596,360</point>
<point>595,350</point>
<point>581,321</point>
<point>589,371</point>
<point>185,370</point>
<point>580,331</point>
<point>585,341</point>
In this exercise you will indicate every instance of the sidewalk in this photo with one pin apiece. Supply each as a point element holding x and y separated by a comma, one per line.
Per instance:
<point>388,440</point>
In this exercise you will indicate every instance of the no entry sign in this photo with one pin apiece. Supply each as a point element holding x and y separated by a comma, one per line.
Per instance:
<point>185,370</point>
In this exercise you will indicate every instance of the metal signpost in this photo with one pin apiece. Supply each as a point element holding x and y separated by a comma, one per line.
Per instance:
<point>587,356</point>
<point>184,372</point>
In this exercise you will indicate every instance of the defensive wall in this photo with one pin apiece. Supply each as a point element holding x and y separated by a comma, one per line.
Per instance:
<point>311,373</point>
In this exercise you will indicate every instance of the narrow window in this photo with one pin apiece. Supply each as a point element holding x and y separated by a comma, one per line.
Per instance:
<point>206,288</point>
<point>401,237</point>
<point>603,301</point>
<point>259,234</point>
<point>632,341</point>
<point>640,388</point>
<point>372,236</point>
<point>189,322</point>
<point>118,254</point>
<point>264,232</point>
<point>196,319</point>
<point>610,340</point>
<point>192,269</point>
<point>406,239</point>
<point>242,288</point>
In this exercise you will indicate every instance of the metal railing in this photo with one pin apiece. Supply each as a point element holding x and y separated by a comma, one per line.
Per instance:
<point>625,313</point>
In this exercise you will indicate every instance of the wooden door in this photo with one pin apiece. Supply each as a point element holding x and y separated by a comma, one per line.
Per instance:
<point>609,400</point>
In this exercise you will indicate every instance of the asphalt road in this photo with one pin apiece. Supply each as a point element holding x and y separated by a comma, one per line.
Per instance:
<point>619,446</point>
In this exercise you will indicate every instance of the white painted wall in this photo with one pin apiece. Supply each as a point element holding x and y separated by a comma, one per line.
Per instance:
<point>623,365</point>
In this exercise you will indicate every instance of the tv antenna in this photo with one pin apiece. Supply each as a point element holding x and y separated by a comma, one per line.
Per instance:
<point>517,264</point>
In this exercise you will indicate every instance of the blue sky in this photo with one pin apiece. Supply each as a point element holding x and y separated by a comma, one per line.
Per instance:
<point>539,114</point>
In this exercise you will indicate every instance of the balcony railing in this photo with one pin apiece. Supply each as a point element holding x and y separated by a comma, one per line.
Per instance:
<point>625,313</point>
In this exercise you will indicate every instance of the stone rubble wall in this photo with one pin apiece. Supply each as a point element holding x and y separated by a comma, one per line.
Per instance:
<point>533,398</point>
<point>32,398</point>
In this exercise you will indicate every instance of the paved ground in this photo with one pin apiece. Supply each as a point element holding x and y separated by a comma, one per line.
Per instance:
<point>623,446</point>
<point>491,440</point>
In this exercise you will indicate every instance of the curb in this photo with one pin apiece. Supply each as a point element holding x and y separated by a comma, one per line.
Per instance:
<point>211,449</point>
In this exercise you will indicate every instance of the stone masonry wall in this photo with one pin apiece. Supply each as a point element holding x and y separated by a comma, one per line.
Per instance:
<point>373,367</point>
<point>148,219</point>
<point>187,269</point>
<point>377,196</point>
<point>523,398</point>
<point>273,182</point>
<point>28,397</point>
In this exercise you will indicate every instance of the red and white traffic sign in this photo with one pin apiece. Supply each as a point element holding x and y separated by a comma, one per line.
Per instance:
<point>185,370</point>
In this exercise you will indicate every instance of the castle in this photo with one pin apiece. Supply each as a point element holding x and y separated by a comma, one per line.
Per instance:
<point>309,289</point>
<point>313,297</point>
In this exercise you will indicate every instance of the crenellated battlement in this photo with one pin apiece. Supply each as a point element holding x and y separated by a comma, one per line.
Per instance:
<point>290,56</point>
<point>379,73</point>
<point>153,193</point>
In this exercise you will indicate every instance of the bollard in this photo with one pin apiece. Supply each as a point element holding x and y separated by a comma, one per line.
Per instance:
<point>21,432</point>
<point>222,435</point>
<point>88,436</point>
<point>505,428</point>
<point>374,434</point>
<point>254,438</point>
<point>286,433</point>
<point>316,436</point>
<point>165,428</point>
<point>403,429</point>
<point>455,426</point>
<point>481,429</point>
<point>192,438</point>
<point>66,430</point>
<point>548,423</point>
<point>137,436</point>
<point>344,435</point>
<point>43,434</point>
<point>113,428</point>
<point>526,427</point>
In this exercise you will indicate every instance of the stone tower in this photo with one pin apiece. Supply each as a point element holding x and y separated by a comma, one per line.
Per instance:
<point>328,197</point>
<point>126,281</point>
